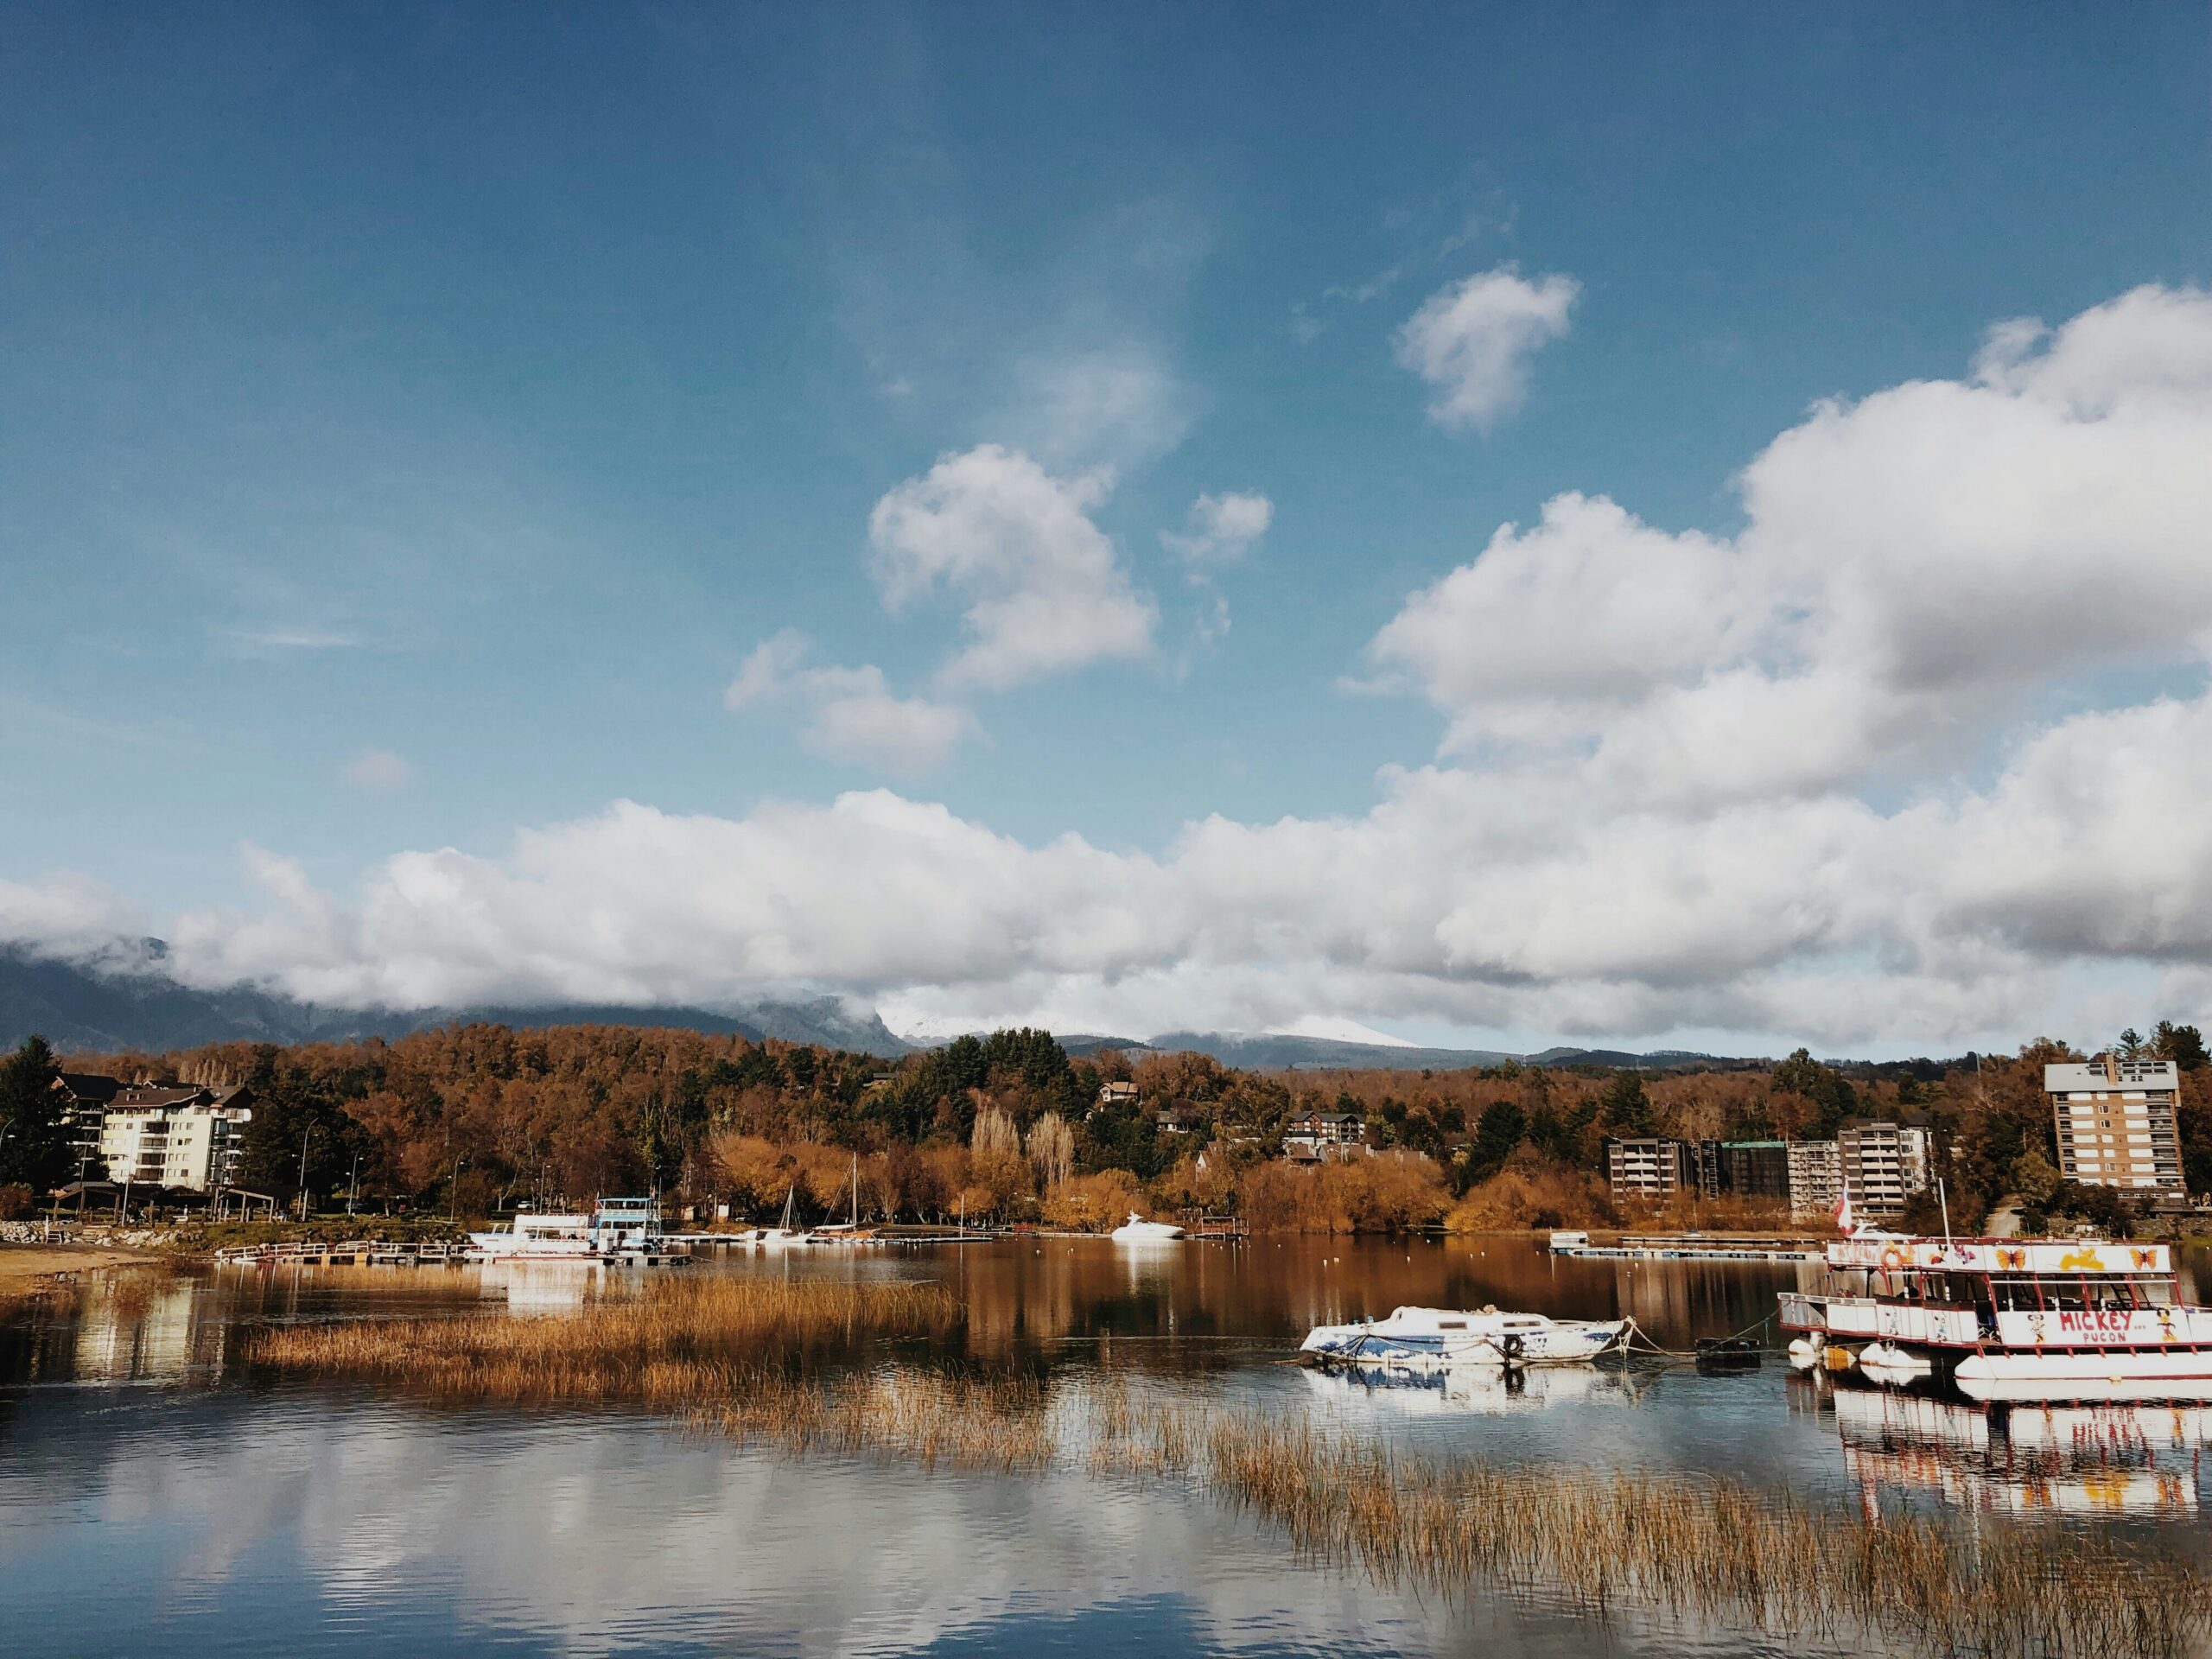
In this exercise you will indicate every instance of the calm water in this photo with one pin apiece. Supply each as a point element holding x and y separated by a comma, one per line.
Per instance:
<point>151,1496</point>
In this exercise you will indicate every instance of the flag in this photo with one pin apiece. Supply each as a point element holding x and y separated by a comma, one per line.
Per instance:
<point>1843,1213</point>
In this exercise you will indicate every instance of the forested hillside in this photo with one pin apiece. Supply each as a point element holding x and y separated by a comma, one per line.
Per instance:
<point>481,1118</point>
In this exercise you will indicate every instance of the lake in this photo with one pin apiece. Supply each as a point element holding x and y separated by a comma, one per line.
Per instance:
<point>152,1495</point>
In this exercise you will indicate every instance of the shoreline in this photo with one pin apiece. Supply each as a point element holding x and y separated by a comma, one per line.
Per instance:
<point>22,1265</point>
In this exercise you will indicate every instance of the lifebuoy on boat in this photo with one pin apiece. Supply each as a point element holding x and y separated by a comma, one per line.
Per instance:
<point>1512,1347</point>
<point>1892,1259</point>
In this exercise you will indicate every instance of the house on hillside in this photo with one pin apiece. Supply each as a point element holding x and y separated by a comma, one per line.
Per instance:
<point>1317,1136</point>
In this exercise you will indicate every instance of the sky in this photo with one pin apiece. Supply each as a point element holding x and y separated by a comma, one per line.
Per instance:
<point>1675,526</point>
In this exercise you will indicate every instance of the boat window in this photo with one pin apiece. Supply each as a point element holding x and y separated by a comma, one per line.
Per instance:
<point>1450,1324</point>
<point>2155,1293</point>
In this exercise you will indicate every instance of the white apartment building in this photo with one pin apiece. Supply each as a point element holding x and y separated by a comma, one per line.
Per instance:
<point>178,1137</point>
<point>1815,1179</point>
<point>1882,1164</point>
<point>2115,1122</point>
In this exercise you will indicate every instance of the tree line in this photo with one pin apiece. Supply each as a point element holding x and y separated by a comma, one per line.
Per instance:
<point>481,1119</point>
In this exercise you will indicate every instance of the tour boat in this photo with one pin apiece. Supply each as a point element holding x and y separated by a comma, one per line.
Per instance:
<point>2007,1320</point>
<point>1137,1230</point>
<point>615,1228</point>
<point>1416,1336</point>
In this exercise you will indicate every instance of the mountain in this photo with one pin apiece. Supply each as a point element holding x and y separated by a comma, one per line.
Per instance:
<point>1281,1051</point>
<point>125,1002</point>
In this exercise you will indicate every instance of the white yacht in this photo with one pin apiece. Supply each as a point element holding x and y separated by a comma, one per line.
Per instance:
<point>1430,1336</point>
<point>1137,1230</point>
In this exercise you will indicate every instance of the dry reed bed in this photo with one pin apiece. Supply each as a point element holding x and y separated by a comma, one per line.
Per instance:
<point>1707,1549</point>
<point>1684,1546</point>
<point>683,1343</point>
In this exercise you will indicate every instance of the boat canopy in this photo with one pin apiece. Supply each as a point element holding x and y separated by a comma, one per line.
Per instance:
<point>2040,1257</point>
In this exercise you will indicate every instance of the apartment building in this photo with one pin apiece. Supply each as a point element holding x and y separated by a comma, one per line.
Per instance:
<point>1650,1167</point>
<point>1882,1165</point>
<point>2115,1122</point>
<point>181,1136</point>
<point>1815,1179</point>
<point>1755,1169</point>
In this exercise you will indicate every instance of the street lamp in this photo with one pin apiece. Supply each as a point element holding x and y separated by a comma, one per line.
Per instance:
<point>305,1135</point>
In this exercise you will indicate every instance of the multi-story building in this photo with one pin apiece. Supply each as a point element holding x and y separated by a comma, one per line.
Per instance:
<point>1323,1134</point>
<point>1755,1169</point>
<point>1815,1179</point>
<point>85,1100</point>
<point>175,1136</point>
<point>2115,1122</point>
<point>1882,1164</point>
<point>1649,1167</point>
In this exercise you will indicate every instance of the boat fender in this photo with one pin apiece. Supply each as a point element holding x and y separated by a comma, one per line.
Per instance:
<point>1512,1348</point>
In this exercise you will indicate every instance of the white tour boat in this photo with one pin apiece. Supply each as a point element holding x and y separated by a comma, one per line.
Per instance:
<point>1415,1335</point>
<point>2007,1319</point>
<point>615,1229</point>
<point>1137,1230</point>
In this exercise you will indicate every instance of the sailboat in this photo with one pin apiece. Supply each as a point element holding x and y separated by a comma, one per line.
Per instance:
<point>787,1233</point>
<point>848,1232</point>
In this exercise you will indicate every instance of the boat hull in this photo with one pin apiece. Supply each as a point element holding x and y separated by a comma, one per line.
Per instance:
<point>1546,1345</point>
<point>2086,1374</point>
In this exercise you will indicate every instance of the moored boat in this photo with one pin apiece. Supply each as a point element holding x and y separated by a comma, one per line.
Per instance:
<point>2008,1319</point>
<point>616,1230</point>
<point>1137,1230</point>
<point>1418,1336</point>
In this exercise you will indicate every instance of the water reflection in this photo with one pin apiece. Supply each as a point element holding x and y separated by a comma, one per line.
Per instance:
<point>2062,1460</point>
<point>1477,1390</point>
<point>245,1516</point>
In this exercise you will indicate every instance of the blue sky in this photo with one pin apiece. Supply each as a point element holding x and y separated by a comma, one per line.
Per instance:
<point>411,421</point>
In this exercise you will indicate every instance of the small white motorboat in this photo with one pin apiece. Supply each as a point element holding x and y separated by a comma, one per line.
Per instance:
<point>1439,1336</point>
<point>1137,1230</point>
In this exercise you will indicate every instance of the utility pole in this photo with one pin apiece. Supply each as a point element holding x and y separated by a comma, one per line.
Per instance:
<point>453,1191</point>
<point>304,1136</point>
<point>353,1186</point>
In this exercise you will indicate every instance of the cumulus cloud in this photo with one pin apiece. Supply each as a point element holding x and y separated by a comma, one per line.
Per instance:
<point>1912,567</point>
<point>1857,773</point>
<point>851,714</point>
<point>1221,528</point>
<point>1045,590</point>
<point>378,771</point>
<point>1473,342</point>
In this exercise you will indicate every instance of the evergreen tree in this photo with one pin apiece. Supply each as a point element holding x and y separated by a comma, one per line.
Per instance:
<point>34,1143</point>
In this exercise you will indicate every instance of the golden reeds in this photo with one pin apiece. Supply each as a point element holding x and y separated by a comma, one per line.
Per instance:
<point>1709,1548</point>
<point>1678,1545</point>
<point>681,1344</point>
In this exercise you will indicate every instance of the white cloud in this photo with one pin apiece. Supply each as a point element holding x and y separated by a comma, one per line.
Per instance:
<point>1043,588</point>
<point>1221,528</point>
<point>1473,342</point>
<point>1912,568</point>
<point>1855,773</point>
<point>852,715</point>
<point>378,771</point>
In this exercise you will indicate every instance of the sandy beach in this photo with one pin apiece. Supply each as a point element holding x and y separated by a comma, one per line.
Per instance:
<point>22,1264</point>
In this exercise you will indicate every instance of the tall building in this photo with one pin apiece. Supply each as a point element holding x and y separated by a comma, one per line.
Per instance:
<point>2115,1122</point>
<point>1815,1179</point>
<point>1649,1167</point>
<point>175,1136</point>
<point>1755,1169</point>
<point>1882,1164</point>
